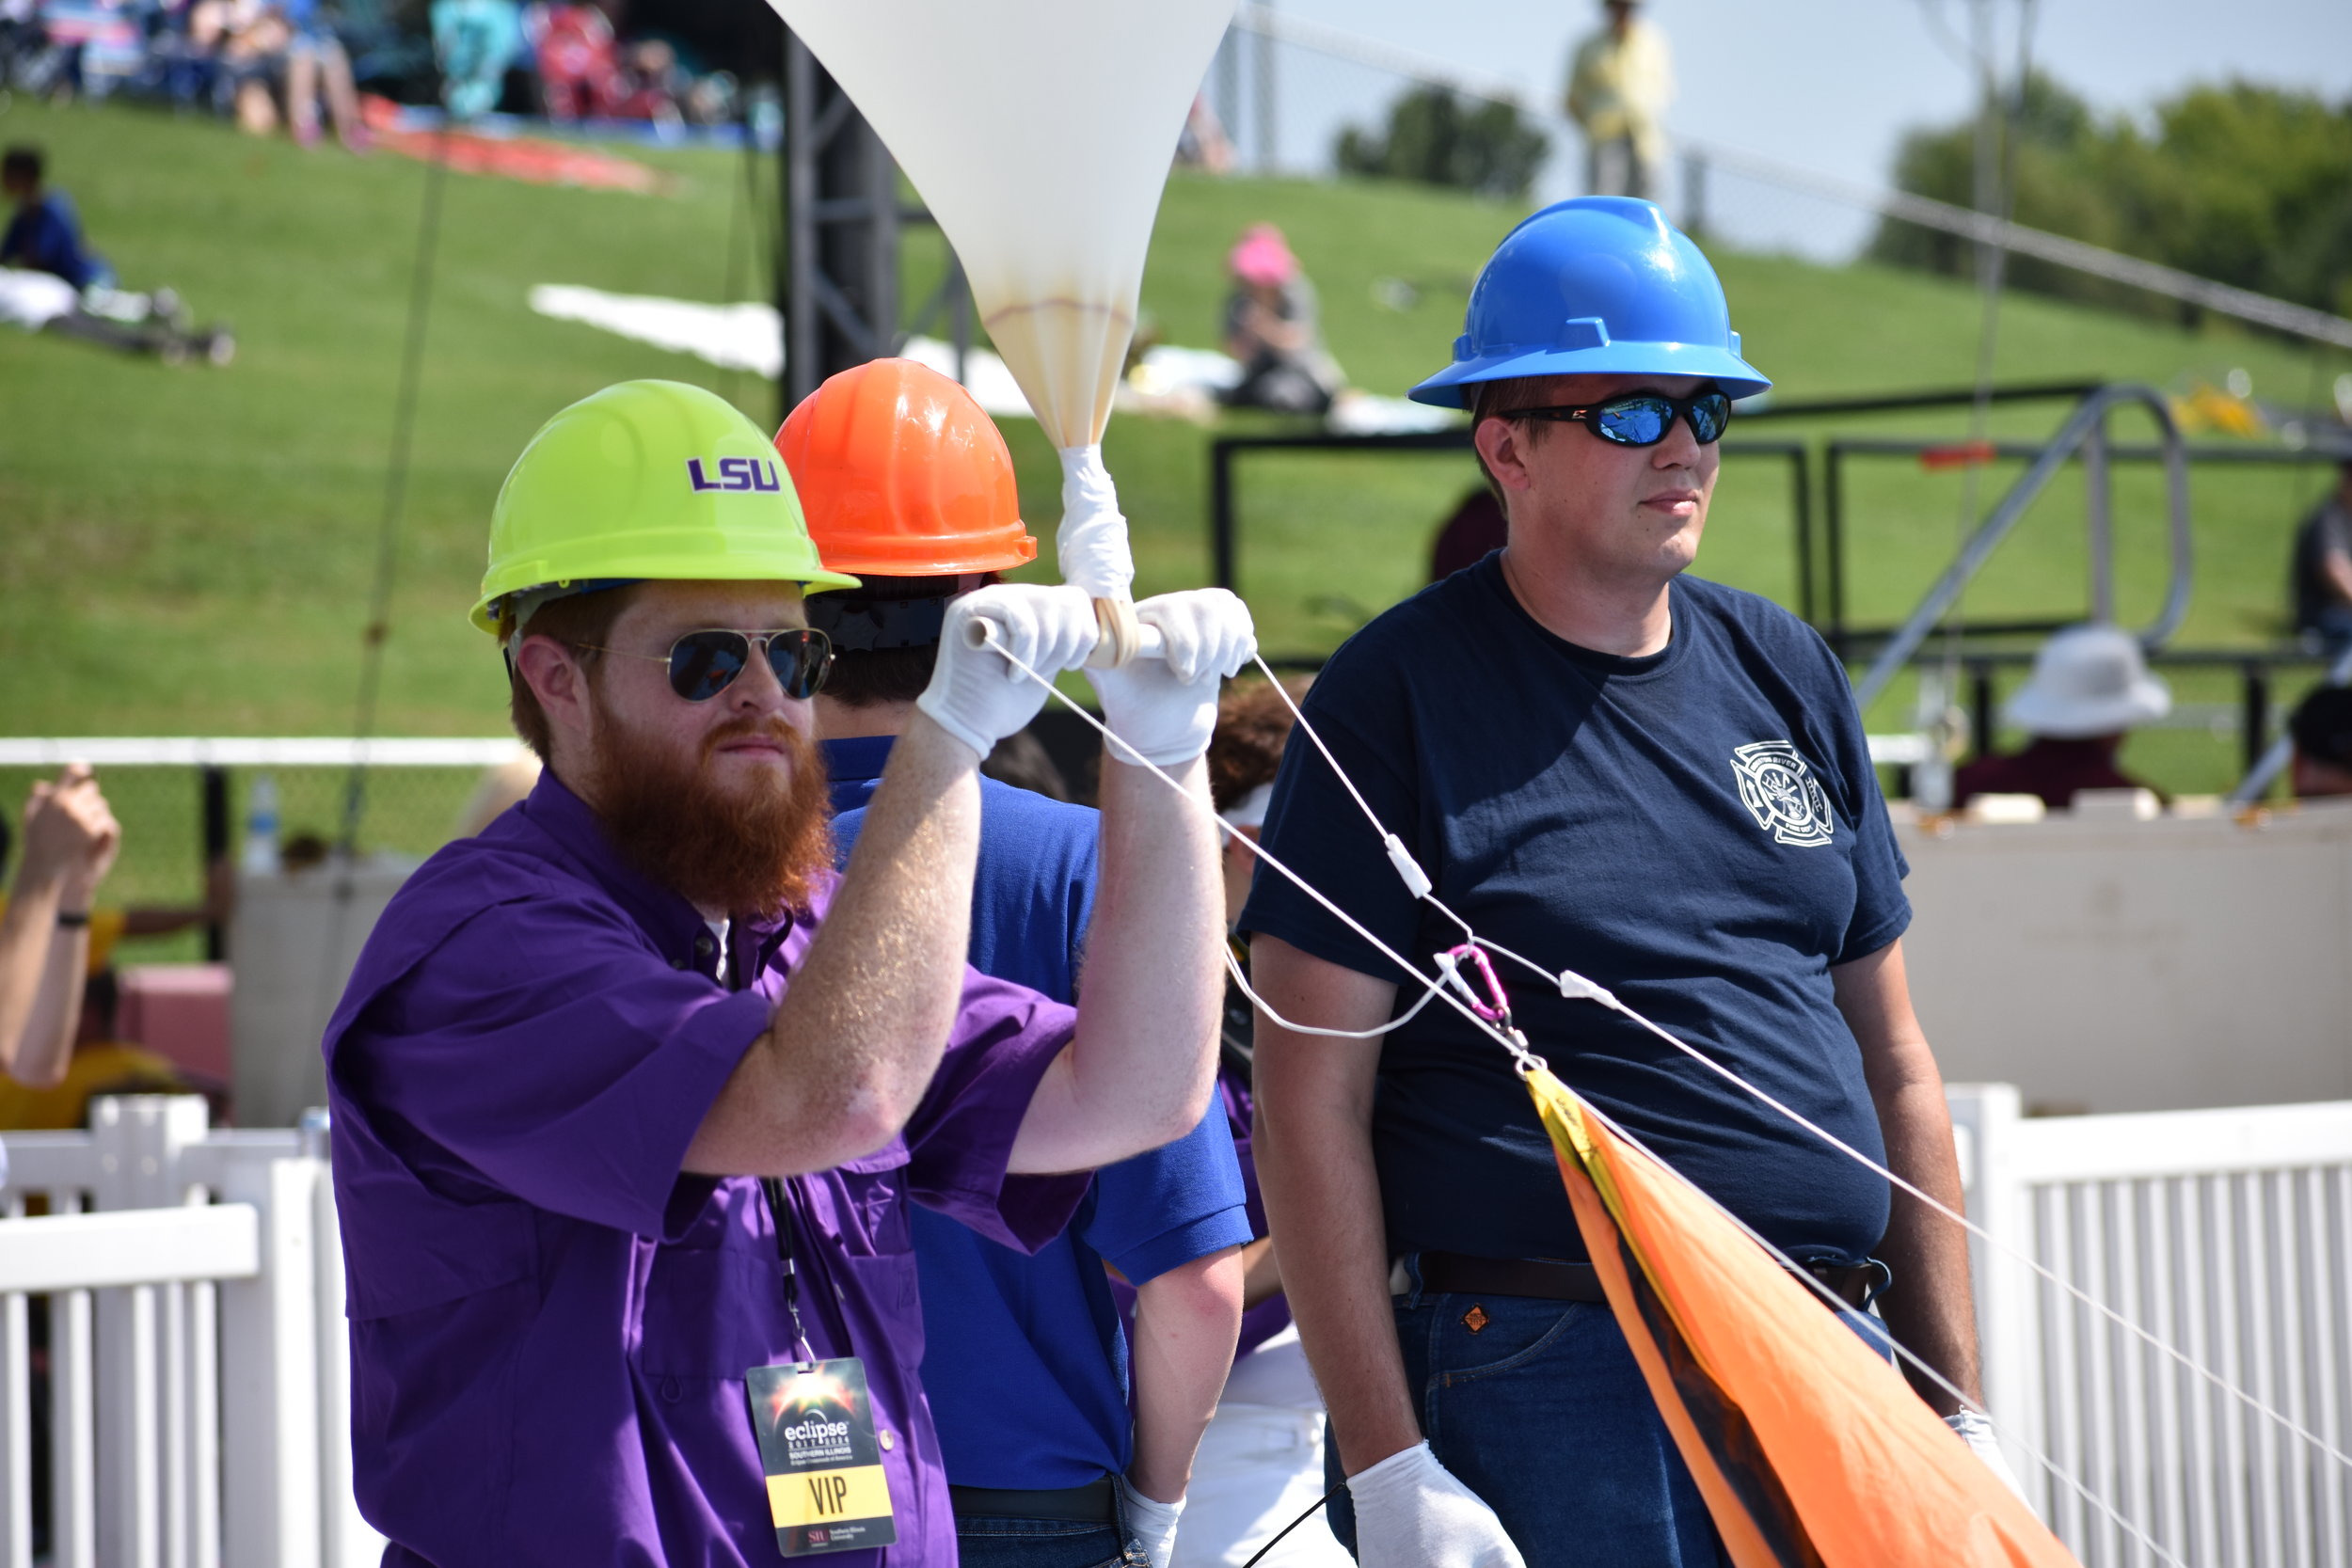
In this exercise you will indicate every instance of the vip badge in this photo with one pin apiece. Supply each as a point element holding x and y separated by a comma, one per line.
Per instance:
<point>1781,793</point>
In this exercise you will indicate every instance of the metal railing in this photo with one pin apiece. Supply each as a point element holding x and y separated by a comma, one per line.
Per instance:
<point>2084,432</point>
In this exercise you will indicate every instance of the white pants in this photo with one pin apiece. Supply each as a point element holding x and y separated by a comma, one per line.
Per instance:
<point>1260,1466</point>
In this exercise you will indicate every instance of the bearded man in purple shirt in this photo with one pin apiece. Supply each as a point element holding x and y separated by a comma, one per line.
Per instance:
<point>631,1093</point>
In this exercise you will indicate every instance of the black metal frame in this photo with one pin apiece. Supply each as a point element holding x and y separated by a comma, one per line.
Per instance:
<point>837,271</point>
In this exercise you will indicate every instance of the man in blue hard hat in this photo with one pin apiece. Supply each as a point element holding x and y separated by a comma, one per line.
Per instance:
<point>1604,764</point>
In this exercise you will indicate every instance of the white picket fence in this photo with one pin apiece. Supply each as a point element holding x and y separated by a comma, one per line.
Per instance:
<point>198,1383</point>
<point>2226,1234</point>
<point>198,1387</point>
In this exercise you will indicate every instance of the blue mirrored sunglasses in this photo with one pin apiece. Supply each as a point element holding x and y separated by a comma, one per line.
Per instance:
<point>1641,419</point>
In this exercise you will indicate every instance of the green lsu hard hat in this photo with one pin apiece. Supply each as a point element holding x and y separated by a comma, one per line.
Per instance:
<point>647,480</point>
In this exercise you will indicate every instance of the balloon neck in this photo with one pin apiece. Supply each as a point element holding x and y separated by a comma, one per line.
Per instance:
<point>1092,542</point>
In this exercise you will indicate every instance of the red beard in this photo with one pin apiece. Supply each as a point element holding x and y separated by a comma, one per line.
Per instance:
<point>754,852</point>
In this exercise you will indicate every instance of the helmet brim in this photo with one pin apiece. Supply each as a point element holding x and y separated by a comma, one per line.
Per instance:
<point>1451,388</point>
<point>666,570</point>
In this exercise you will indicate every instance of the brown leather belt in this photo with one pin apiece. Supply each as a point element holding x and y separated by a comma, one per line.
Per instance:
<point>1090,1504</point>
<point>1458,1273</point>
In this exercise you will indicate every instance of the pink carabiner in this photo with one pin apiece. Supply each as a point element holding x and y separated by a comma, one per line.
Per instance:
<point>1501,1011</point>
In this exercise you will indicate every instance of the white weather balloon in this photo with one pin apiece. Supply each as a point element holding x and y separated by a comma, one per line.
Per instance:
<point>1040,133</point>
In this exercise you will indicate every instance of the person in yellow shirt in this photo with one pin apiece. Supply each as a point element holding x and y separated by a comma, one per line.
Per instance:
<point>1620,81</point>
<point>101,1064</point>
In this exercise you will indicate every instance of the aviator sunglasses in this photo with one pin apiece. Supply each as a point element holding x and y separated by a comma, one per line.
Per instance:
<point>1641,419</point>
<point>705,663</point>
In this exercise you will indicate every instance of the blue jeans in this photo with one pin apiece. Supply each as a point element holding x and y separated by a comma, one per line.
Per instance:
<point>989,1543</point>
<point>1543,1411</point>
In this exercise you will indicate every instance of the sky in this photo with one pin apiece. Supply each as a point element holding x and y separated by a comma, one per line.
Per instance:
<point>1830,86</point>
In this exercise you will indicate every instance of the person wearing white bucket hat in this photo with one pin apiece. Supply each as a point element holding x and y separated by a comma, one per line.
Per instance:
<point>2089,687</point>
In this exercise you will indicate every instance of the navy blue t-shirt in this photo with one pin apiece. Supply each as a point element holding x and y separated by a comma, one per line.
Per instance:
<point>1023,1361</point>
<point>46,237</point>
<point>1698,830</point>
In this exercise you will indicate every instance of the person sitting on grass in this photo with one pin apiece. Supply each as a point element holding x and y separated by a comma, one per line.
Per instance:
<point>45,233</point>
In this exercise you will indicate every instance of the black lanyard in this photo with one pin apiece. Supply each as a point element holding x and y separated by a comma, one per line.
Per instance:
<point>781,1208</point>
<point>781,1205</point>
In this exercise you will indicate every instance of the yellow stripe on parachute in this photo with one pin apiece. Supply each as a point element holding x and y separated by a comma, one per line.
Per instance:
<point>1807,1446</point>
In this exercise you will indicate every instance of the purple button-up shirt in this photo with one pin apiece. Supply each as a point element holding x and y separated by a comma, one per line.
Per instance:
<point>549,1320</point>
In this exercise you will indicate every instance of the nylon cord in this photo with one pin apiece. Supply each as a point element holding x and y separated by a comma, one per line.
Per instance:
<point>1610,1001</point>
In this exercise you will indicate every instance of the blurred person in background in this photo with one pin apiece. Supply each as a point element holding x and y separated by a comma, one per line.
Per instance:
<point>44,233</point>
<point>2322,731</point>
<point>1475,530</point>
<point>102,1063</point>
<point>2323,567</point>
<point>70,839</point>
<point>1271,328</point>
<point>2089,689</point>
<point>476,43</point>
<point>319,71</point>
<point>1067,1442</point>
<point>1260,1463</point>
<point>1620,80</point>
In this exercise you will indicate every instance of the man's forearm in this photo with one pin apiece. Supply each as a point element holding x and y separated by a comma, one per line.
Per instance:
<point>1187,1322</point>
<point>857,1038</point>
<point>1323,1198</point>
<point>1929,1307</point>
<point>1139,1067</point>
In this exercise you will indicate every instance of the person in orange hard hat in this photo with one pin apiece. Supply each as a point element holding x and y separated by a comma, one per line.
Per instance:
<point>908,487</point>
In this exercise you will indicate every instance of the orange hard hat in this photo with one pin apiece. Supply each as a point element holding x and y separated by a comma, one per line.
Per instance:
<point>902,476</point>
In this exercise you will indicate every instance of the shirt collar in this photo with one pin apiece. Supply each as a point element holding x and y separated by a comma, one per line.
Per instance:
<point>859,759</point>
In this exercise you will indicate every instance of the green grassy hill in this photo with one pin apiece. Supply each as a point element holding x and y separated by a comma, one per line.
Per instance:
<point>190,550</point>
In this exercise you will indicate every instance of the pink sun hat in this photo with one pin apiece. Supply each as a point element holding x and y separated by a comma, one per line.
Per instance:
<point>1262,256</point>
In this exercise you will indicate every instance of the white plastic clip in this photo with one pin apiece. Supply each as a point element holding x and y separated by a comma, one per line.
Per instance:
<point>1578,988</point>
<point>1416,881</point>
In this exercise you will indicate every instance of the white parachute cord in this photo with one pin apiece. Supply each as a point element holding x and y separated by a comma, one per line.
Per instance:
<point>1576,987</point>
<point>1839,1304</point>
<point>1232,967</point>
<point>1518,1049</point>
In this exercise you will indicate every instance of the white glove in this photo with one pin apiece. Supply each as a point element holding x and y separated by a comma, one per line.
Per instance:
<point>1977,1433</point>
<point>1151,1523</point>
<point>976,696</point>
<point>1411,1514</point>
<point>1166,707</point>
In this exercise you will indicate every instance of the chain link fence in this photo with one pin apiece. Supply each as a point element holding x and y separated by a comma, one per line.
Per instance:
<point>180,803</point>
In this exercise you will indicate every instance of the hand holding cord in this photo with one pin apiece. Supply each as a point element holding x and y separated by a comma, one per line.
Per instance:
<point>1411,1512</point>
<point>1164,704</point>
<point>979,697</point>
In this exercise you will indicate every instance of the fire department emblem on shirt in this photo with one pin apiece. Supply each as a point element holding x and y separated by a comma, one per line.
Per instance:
<point>1781,793</point>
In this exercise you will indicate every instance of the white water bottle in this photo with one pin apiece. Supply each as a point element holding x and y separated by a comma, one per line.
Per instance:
<point>261,828</point>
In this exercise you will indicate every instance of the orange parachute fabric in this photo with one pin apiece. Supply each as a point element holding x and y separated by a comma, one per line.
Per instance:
<point>1808,1447</point>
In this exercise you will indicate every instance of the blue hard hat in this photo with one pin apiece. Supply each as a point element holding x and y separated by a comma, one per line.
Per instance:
<point>1602,285</point>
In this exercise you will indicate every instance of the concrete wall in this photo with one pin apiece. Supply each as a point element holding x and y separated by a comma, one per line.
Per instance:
<point>2120,965</point>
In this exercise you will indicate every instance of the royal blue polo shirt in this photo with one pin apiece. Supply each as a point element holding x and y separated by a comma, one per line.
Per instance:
<point>1699,829</point>
<point>1024,1359</point>
<point>550,1319</point>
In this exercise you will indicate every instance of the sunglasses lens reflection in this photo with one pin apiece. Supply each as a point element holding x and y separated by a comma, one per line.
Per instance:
<point>801,661</point>
<point>1635,421</point>
<point>705,663</point>
<point>1709,414</point>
